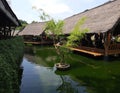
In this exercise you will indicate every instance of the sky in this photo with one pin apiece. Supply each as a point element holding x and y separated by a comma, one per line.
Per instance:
<point>57,9</point>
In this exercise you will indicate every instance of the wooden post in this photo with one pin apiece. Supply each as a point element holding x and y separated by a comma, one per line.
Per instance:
<point>9,31</point>
<point>13,31</point>
<point>107,42</point>
<point>4,31</point>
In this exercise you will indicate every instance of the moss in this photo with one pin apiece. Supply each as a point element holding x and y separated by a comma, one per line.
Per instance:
<point>11,53</point>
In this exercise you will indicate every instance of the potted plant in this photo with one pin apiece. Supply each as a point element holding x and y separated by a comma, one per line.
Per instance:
<point>54,29</point>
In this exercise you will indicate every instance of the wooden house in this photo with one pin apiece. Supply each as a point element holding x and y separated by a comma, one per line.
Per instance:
<point>8,20</point>
<point>34,33</point>
<point>103,23</point>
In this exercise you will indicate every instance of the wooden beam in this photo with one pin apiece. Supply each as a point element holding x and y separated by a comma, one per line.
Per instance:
<point>107,42</point>
<point>37,43</point>
<point>7,11</point>
<point>94,53</point>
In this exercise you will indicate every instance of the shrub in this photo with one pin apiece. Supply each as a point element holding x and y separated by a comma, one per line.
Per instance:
<point>11,53</point>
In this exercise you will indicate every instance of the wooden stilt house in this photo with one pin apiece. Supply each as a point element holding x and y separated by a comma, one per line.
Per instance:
<point>103,23</point>
<point>8,20</point>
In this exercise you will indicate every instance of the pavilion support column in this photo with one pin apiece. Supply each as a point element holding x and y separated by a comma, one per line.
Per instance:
<point>107,42</point>
<point>4,31</point>
<point>9,34</point>
<point>13,31</point>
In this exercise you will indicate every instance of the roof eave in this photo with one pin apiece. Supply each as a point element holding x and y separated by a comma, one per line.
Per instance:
<point>5,8</point>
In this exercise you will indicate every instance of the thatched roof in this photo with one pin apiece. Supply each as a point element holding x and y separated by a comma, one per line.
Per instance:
<point>7,16</point>
<point>33,29</point>
<point>99,19</point>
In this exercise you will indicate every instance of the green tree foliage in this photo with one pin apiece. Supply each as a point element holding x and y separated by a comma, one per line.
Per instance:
<point>77,33</point>
<point>23,24</point>
<point>54,28</point>
<point>43,16</point>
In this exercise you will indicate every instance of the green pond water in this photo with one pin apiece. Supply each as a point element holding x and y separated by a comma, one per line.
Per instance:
<point>87,74</point>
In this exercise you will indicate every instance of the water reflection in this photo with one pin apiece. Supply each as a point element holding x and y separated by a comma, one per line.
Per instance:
<point>40,78</point>
<point>70,86</point>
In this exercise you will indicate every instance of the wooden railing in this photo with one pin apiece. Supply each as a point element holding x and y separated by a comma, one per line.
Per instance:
<point>113,49</point>
<point>114,46</point>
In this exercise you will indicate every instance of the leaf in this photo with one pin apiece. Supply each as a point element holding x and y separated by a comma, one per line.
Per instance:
<point>55,28</point>
<point>77,33</point>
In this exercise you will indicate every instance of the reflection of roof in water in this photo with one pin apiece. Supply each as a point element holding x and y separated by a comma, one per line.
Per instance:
<point>30,58</point>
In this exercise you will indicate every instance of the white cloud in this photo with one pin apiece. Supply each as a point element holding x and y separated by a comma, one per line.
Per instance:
<point>89,0</point>
<point>51,6</point>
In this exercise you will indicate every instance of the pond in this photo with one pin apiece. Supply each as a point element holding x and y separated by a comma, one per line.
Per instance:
<point>87,74</point>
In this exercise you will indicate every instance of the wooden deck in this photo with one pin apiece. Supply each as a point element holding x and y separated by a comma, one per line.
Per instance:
<point>38,43</point>
<point>88,50</point>
<point>98,52</point>
<point>113,50</point>
<point>91,52</point>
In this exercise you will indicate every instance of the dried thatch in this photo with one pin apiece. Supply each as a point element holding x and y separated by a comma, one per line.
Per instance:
<point>99,19</point>
<point>33,29</point>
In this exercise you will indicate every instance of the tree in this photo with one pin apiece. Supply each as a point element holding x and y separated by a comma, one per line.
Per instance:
<point>77,33</point>
<point>54,29</point>
<point>23,24</point>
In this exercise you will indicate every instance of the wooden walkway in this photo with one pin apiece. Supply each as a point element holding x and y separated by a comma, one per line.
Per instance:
<point>92,52</point>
